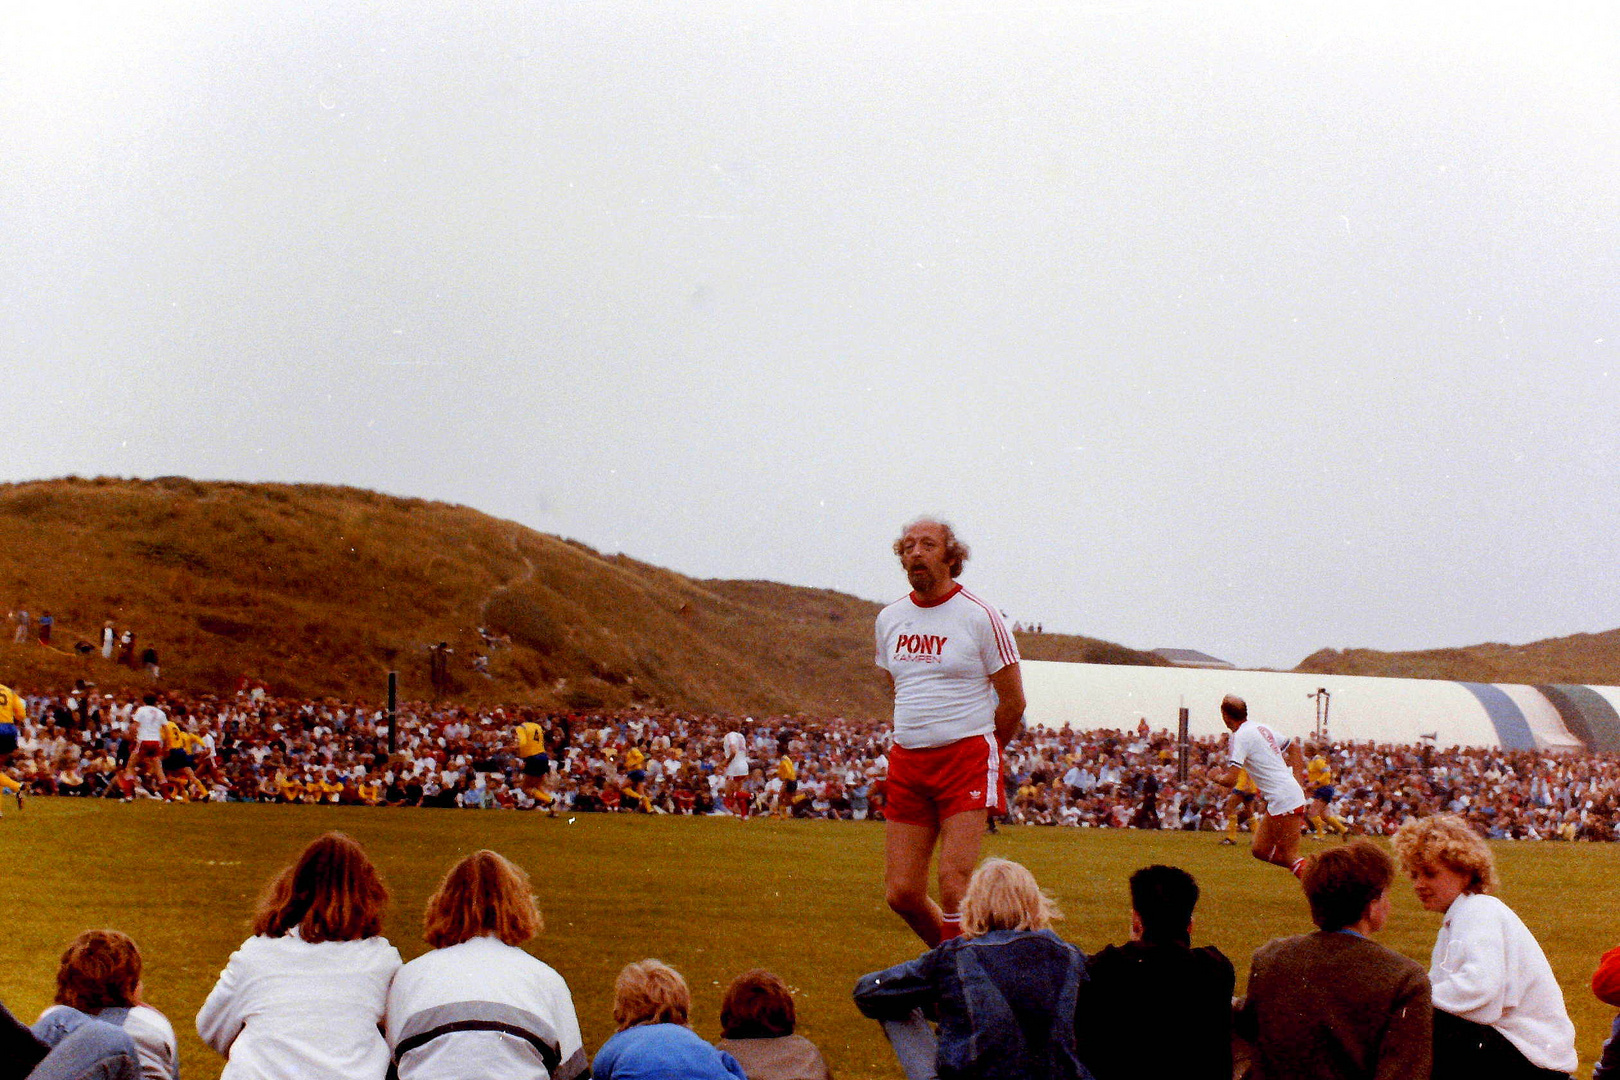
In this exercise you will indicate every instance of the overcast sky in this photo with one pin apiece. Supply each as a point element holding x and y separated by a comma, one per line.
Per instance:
<point>1227,326</point>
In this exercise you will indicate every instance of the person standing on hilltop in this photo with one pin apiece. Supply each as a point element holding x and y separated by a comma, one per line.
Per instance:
<point>958,700</point>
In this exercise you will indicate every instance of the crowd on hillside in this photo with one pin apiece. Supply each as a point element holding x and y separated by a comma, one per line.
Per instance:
<point>318,992</point>
<point>254,747</point>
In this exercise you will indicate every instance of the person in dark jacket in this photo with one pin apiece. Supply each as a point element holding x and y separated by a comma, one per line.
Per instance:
<point>1134,987</point>
<point>1335,1005</point>
<point>1005,992</point>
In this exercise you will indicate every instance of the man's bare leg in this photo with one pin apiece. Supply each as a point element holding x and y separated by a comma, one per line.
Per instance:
<point>959,838</point>
<point>907,850</point>
<point>1276,840</point>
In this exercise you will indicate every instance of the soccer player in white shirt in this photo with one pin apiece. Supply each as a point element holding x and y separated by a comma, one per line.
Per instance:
<point>734,756</point>
<point>958,700</point>
<point>1256,749</point>
<point>148,738</point>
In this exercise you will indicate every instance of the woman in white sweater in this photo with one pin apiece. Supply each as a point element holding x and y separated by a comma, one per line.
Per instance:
<point>1498,1009</point>
<point>303,997</point>
<point>477,1005</point>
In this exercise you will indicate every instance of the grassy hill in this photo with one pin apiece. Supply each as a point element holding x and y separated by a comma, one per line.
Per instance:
<point>322,590</point>
<point>1593,659</point>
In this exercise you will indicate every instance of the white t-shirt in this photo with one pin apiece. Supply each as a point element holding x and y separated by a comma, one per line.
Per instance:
<point>1257,750</point>
<point>735,749</point>
<point>1488,968</point>
<point>482,1009</point>
<point>149,723</point>
<point>284,1008</point>
<point>941,656</point>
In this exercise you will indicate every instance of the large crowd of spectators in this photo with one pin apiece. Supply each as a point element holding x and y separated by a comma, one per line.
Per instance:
<point>255,747</point>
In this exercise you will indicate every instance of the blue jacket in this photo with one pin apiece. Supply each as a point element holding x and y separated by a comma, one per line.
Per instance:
<point>663,1052</point>
<point>1005,1003</point>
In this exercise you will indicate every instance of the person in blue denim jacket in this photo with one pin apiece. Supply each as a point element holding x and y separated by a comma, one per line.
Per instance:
<point>1004,993</point>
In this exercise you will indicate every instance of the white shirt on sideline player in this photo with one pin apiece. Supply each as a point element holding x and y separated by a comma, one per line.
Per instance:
<point>941,657</point>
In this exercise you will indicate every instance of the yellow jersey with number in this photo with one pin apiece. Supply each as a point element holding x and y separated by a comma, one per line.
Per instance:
<point>531,739</point>
<point>12,709</point>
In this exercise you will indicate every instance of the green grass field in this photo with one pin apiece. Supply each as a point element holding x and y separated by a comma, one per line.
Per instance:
<point>712,896</point>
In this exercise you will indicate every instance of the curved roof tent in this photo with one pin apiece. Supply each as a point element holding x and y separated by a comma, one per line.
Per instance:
<point>1587,713</point>
<point>1546,726</point>
<point>1363,708</point>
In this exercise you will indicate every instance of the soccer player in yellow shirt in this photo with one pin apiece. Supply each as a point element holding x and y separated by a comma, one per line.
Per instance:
<point>788,773</point>
<point>1319,782</point>
<point>1239,805</point>
<point>12,714</point>
<point>530,743</point>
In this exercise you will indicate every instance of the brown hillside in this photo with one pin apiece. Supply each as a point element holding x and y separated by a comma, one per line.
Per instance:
<point>321,590</point>
<point>1593,659</point>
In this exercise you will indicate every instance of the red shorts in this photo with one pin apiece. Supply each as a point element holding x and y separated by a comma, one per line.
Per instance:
<point>151,746</point>
<point>929,785</point>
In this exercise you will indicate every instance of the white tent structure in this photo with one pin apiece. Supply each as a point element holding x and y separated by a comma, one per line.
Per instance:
<point>1553,718</point>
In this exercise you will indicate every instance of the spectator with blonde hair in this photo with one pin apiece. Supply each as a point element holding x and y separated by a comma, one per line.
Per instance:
<point>477,1005</point>
<point>1498,1009</point>
<point>99,978</point>
<point>1005,991</point>
<point>652,1007</point>
<point>757,1019</point>
<point>303,997</point>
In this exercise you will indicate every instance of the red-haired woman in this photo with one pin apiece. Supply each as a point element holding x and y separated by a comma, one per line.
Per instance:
<point>757,1019</point>
<point>302,999</point>
<point>100,977</point>
<point>478,1005</point>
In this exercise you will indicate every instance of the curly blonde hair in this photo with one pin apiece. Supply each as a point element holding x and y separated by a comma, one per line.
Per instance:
<point>1447,841</point>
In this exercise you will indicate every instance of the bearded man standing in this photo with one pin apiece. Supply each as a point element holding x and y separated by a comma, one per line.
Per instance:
<point>958,699</point>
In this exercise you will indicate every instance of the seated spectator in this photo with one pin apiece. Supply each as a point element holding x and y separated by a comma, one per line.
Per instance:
<point>99,978</point>
<point>757,1019</point>
<point>303,997</point>
<point>1133,987</point>
<point>1005,991</point>
<point>478,1005</point>
<point>94,1050</point>
<point>1334,1004</point>
<point>1498,1008</point>
<point>652,1006</point>
<point>1606,985</point>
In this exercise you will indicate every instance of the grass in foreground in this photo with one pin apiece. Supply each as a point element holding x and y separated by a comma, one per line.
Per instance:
<point>712,896</point>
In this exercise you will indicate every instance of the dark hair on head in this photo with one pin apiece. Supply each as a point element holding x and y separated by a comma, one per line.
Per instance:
<point>100,969</point>
<point>1341,883</point>
<point>332,893</point>
<point>1235,707</point>
<point>150,699</point>
<point>956,552</point>
<point>1163,897</point>
<point>757,1005</point>
<point>483,895</point>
